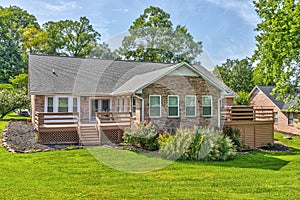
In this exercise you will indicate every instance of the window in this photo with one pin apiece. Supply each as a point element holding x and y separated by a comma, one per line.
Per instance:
<point>133,107</point>
<point>63,104</point>
<point>155,106</point>
<point>118,104</point>
<point>207,105</point>
<point>50,104</point>
<point>75,108</point>
<point>173,106</point>
<point>123,104</point>
<point>128,104</point>
<point>276,117</point>
<point>190,105</point>
<point>290,118</point>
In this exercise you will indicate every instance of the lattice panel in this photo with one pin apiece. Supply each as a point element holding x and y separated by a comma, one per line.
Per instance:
<point>58,136</point>
<point>114,136</point>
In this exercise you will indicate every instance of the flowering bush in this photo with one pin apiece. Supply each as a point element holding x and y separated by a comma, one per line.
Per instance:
<point>144,136</point>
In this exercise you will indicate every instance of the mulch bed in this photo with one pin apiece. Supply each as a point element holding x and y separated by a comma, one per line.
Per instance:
<point>20,137</point>
<point>277,147</point>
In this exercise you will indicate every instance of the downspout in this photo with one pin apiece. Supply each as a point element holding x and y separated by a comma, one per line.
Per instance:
<point>140,98</point>
<point>219,112</point>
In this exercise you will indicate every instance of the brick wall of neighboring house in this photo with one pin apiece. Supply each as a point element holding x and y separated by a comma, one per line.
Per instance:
<point>182,86</point>
<point>260,99</point>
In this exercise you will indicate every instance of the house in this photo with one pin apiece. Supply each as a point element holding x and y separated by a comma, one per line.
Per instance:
<point>170,95</point>
<point>285,121</point>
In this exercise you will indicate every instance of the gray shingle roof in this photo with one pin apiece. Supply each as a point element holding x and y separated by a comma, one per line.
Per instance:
<point>87,76</point>
<point>267,90</point>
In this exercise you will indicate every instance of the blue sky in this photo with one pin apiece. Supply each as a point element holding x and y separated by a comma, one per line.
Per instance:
<point>226,27</point>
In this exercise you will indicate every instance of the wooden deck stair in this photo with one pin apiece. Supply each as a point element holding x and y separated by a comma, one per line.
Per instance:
<point>89,135</point>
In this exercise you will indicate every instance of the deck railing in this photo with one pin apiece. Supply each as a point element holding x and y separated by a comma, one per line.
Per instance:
<point>55,119</point>
<point>249,113</point>
<point>112,124</point>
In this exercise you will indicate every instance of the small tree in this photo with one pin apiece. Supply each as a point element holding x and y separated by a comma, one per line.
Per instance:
<point>11,100</point>
<point>242,99</point>
<point>19,81</point>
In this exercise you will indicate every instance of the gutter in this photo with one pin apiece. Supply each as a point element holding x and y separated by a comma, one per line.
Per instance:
<point>140,98</point>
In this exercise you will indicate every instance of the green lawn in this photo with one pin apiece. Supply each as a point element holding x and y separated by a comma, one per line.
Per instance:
<point>77,174</point>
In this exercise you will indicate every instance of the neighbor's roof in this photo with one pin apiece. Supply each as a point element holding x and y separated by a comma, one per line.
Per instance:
<point>89,76</point>
<point>267,90</point>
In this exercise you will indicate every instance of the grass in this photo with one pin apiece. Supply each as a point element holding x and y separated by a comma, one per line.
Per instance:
<point>77,174</point>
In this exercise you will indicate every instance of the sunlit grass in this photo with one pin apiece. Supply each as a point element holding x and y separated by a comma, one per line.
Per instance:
<point>76,174</point>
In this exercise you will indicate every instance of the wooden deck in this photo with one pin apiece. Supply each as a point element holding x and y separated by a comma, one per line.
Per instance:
<point>64,127</point>
<point>111,125</point>
<point>256,125</point>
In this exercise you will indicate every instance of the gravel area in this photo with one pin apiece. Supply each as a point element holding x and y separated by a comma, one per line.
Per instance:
<point>20,137</point>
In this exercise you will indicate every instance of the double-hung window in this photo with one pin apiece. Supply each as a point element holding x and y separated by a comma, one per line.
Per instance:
<point>63,104</point>
<point>190,105</point>
<point>276,117</point>
<point>75,105</point>
<point>207,106</point>
<point>290,118</point>
<point>118,104</point>
<point>133,106</point>
<point>50,104</point>
<point>173,106</point>
<point>123,104</point>
<point>155,106</point>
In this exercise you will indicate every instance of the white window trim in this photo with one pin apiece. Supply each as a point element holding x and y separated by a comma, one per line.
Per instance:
<point>195,97</point>
<point>55,103</point>
<point>127,104</point>
<point>159,106</point>
<point>97,98</point>
<point>174,106</point>
<point>211,99</point>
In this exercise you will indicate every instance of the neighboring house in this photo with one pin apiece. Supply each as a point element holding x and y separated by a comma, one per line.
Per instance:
<point>284,121</point>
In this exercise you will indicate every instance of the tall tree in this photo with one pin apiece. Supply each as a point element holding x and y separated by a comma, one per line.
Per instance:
<point>236,74</point>
<point>153,38</point>
<point>73,38</point>
<point>12,20</point>
<point>102,51</point>
<point>278,46</point>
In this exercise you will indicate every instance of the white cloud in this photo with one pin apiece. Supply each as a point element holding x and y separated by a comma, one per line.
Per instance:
<point>244,8</point>
<point>61,6</point>
<point>125,10</point>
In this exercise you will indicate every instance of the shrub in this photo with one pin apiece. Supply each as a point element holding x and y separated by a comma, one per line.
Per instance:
<point>164,138</point>
<point>144,136</point>
<point>234,135</point>
<point>198,144</point>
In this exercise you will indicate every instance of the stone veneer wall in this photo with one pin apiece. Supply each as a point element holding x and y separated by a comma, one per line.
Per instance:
<point>182,86</point>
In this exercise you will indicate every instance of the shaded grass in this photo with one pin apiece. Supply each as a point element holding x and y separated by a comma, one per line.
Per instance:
<point>9,117</point>
<point>77,174</point>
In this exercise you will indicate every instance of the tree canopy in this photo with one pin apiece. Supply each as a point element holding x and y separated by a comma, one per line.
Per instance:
<point>11,100</point>
<point>12,21</point>
<point>153,38</point>
<point>72,38</point>
<point>278,47</point>
<point>236,74</point>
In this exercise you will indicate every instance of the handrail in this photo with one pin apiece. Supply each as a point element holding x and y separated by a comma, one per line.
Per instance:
<point>236,113</point>
<point>98,123</point>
